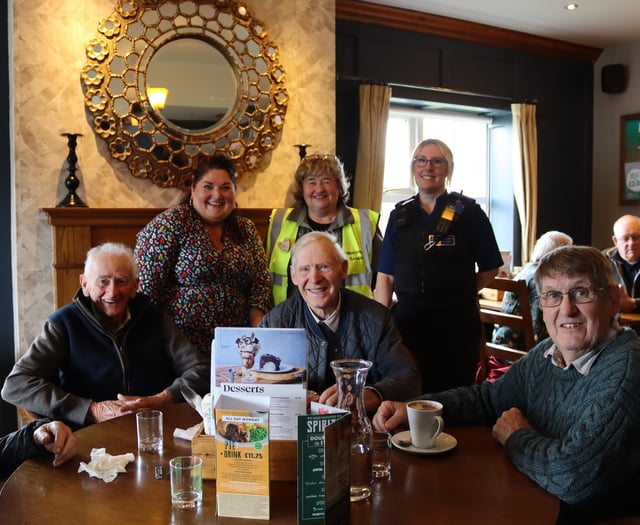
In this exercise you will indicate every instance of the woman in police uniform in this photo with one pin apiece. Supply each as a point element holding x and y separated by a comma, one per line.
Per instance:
<point>430,250</point>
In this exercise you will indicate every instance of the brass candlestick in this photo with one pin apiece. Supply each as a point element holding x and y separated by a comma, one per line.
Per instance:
<point>71,182</point>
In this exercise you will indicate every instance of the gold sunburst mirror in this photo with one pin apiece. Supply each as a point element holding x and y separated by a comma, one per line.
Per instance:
<point>168,81</point>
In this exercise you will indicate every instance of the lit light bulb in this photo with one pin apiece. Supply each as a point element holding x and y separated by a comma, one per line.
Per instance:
<point>157,97</point>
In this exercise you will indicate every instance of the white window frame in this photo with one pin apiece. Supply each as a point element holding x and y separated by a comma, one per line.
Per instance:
<point>394,194</point>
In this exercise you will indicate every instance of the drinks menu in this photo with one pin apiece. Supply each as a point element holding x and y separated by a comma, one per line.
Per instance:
<point>324,447</point>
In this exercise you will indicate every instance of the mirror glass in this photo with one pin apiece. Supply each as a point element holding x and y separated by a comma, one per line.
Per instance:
<point>200,83</point>
<point>168,82</point>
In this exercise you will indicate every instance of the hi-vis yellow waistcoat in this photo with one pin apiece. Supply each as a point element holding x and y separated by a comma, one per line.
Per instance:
<point>357,242</point>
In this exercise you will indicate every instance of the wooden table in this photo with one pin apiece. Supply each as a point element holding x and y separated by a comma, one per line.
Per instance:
<point>474,483</point>
<point>631,319</point>
<point>490,304</point>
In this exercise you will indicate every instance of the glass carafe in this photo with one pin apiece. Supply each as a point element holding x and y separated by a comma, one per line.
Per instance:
<point>351,375</point>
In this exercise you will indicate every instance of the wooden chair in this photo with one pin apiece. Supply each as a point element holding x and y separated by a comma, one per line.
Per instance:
<point>27,416</point>
<point>522,322</point>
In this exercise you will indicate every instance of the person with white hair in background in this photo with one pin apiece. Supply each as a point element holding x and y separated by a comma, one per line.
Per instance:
<point>512,337</point>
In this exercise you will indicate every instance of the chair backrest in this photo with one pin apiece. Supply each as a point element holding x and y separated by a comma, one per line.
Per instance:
<point>522,322</point>
<point>503,357</point>
<point>26,416</point>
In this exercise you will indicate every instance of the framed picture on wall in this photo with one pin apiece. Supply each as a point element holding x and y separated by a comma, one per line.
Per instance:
<point>630,159</point>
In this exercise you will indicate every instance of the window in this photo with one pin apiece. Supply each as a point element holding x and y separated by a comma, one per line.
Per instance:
<point>466,134</point>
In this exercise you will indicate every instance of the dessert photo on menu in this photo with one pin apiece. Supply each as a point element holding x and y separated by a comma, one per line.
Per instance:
<point>264,362</point>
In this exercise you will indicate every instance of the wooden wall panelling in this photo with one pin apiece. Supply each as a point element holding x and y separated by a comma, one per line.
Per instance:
<point>477,72</point>
<point>427,23</point>
<point>70,248</point>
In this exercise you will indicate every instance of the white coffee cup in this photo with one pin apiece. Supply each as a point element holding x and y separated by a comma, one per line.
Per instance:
<point>425,422</point>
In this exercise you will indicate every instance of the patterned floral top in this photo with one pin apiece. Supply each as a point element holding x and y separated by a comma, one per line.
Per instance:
<point>200,286</point>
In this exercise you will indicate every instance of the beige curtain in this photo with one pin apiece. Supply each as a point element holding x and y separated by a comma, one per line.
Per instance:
<point>525,173</point>
<point>369,178</point>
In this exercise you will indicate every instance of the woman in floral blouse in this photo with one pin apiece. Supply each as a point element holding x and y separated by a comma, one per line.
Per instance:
<point>202,261</point>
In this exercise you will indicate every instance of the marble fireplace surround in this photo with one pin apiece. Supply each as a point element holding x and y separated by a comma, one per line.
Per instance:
<point>48,42</point>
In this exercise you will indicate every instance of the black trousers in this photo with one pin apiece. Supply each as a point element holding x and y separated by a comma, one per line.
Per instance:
<point>446,344</point>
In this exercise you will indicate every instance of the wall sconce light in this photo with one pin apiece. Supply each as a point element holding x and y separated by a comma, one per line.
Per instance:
<point>157,97</point>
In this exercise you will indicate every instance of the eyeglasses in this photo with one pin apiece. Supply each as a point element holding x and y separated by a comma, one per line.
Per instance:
<point>578,295</point>
<point>436,162</point>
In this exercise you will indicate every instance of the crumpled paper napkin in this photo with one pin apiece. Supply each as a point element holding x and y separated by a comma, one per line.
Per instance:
<point>104,465</point>
<point>187,433</point>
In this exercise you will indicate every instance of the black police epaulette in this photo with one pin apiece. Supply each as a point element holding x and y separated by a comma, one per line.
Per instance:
<point>454,195</point>
<point>405,202</point>
<point>401,211</point>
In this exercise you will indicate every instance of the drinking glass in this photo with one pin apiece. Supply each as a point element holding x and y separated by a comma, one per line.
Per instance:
<point>186,482</point>
<point>149,425</point>
<point>381,454</point>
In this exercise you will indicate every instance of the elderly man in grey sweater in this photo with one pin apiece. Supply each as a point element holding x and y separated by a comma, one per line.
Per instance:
<point>568,413</point>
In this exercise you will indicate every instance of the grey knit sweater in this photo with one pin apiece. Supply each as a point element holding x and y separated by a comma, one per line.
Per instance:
<point>585,445</point>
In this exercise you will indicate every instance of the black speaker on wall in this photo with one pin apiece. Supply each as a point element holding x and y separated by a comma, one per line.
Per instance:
<point>614,78</point>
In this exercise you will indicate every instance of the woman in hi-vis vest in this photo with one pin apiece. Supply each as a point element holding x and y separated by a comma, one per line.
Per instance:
<point>320,192</point>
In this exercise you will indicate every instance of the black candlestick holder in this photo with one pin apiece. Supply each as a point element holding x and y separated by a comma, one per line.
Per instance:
<point>72,182</point>
<point>302,149</point>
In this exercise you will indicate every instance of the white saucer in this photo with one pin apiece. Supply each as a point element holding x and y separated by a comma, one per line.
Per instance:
<point>283,370</point>
<point>444,443</point>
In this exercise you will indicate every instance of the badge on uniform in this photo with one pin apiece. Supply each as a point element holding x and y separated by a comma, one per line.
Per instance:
<point>285,245</point>
<point>439,241</point>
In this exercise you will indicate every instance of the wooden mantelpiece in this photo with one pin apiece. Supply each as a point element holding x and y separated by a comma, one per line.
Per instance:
<point>76,230</point>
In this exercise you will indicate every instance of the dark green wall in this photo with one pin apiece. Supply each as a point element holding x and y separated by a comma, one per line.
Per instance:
<point>563,89</point>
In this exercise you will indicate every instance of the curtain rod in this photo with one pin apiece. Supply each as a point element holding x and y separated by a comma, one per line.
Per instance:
<point>434,89</point>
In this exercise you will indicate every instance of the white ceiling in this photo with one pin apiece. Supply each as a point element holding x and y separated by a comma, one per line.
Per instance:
<point>596,23</point>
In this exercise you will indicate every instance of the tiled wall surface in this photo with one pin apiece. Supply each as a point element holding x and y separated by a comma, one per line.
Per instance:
<point>49,42</point>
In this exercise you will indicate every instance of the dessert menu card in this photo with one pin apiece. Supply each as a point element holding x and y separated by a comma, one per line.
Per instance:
<point>324,448</point>
<point>242,457</point>
<point>264,362</point>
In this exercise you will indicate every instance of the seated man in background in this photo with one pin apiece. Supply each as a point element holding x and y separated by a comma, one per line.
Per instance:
<point>568,413</point>
<point>33,440</point>
<point>108,353</point>
<point>625,260</point>
<point>511,337</point>
<point>341,324</point>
